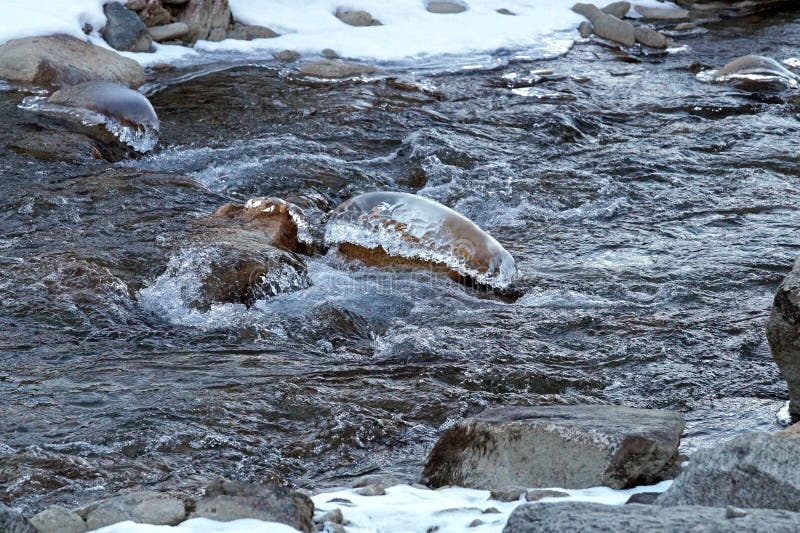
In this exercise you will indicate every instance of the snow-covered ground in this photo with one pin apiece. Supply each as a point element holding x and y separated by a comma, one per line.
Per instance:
<point>403,509</point>
<point>540,28</point>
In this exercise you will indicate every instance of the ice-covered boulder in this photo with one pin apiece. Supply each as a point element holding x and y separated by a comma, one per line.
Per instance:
<point>755,67</point>
<point>384,228</point>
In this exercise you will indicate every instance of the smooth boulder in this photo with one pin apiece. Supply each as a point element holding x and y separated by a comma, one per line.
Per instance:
<point>14,522</point>
<point>225,501</point>
<point>146,507</point>
<point>617,9</point>
<point>336,68</point>
<point>661,13</point>
<point>557,446</point>
<point>60,60</point>
<point>595,517</point>
<point>57,519</point>
<point>110,99</point>
<point>783,334</point>
<point>607,26</point>
<point>755,65</point>
<point>752,471</point>
<point>245,32</point>
<point>169,32</point>
<point>207,19</point>
<point>124,30</point>
<point>650,37</point>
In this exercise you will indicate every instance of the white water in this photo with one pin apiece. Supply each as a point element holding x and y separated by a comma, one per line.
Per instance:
<point>403,509</point>
<point>541,28</point>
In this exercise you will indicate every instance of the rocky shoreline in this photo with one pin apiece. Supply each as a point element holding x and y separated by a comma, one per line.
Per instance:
<point>749,483</point>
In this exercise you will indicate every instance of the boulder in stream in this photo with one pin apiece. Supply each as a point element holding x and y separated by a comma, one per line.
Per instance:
<point>595,517</point>
<point>393,228</point>
<point>575,446</point>
<point>607,26</point>
<point>757,66</point>
<point>783,334</point>
<point>14,522</point>
<point>756,470</point>
<point>112,100</point>
<point>60,60</point>
<point>336,68</point>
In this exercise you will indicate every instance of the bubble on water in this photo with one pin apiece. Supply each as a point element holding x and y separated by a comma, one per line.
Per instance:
<point>413,227</point>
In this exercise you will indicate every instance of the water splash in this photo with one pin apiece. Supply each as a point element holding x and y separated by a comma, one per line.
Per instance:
<point>413,227</point>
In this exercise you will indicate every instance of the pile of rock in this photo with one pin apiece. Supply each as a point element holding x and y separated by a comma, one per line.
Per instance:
<point>608,23</point>
<point>135,25</point>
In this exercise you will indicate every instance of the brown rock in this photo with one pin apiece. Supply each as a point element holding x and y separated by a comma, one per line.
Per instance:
<point>614,29</point>
<point>327,53</point>
<point>783,333</point>
<point>136,5</point>
<point>59,60</point>
<point>590,11</point>
<point>168,32</point>
<point>617,9</point>
<point>535,495</point>
<point>286,55</point>
<point>445,7</point>
<point>204,16</point>
<point>585,29</point>
<point>248,33</point>
<point>154,14</point>
<point>660,13</point>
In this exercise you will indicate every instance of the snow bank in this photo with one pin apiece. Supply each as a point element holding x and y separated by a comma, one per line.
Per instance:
<point>541,28</point>
<point>403,509</point>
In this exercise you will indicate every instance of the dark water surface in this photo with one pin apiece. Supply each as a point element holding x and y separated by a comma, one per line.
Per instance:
<point>651,215</point>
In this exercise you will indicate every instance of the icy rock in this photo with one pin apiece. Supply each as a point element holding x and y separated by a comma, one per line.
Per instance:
<point>754,65</point>
<point>385,228</point>
<point>575,446</point>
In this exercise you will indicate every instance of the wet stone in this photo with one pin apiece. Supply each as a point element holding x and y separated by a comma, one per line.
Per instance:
<point>287,55</point>
<point>110,99</point>
<point>535,495</point>
<point>336,68</point>
<point>371,490</point>
<point>651,38</point>
<point>14,522</point>
<point>57,519</point>
<point>507,494</point>
<point>646,498</point>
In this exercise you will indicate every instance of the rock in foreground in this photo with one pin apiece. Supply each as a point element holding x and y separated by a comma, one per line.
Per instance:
<point>336,68</point>
<point>557,446</point>
<point>783,333</point>
<point>755,65</point>
<point>595,517</point>
<point>110,99</point>
<point>59,60</point>
<point>754,471</point>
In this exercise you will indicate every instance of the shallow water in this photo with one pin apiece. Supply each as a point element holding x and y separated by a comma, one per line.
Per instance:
<point>651,216</point>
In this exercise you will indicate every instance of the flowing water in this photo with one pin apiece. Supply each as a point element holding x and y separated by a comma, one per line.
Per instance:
<point>651,216</point>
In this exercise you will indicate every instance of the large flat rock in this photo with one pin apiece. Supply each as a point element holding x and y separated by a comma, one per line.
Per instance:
<point>59,60</point>
<point>595,517</point>
<point>557,446</point>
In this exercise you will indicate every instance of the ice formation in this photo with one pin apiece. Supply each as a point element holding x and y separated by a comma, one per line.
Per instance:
<point>416,228</point>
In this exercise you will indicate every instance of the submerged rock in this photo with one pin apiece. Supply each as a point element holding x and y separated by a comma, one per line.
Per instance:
<point>124,30</point>
<point>783,334</point>
<point>596,517</point>
<point>445,7</point>
<point>385,228</point>
<point>59,60</point>
<point>557,446</point>
<point>752,471</point>
<point>336,68</point>
<point>754,65</point>
<point>225,501</point>
<point>286,55</point>
<point>356,18</point>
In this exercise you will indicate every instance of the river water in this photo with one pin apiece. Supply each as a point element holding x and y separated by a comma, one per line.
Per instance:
<point>651,215</point>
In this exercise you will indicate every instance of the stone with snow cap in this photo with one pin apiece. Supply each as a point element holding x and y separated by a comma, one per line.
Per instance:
<point>386,228</point>
<point>575,446</point>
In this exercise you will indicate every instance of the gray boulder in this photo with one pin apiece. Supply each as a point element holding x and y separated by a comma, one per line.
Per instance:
<point>611,28</point>
<point>557,446</point>
<point>661,13</point>
<point>651,38</point>
<point>753,471</point>
<point>357,18</point>
<point>57,519</point>
<point>124,30</point>
<point>783,333</point>
<point>617,9</point>
<point>585,29</point>
<point>336,68</point>
<point>111,99</point>
<point>169,32</point>
<point>595,517</point>
<point>286,55</point>
<point>59,60</point>
<point>154,14</point>
<point>445,8</point>
<point>145,507</point>
<point>13,522</point>
<point>755,64</point>
<point>225,501</point>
